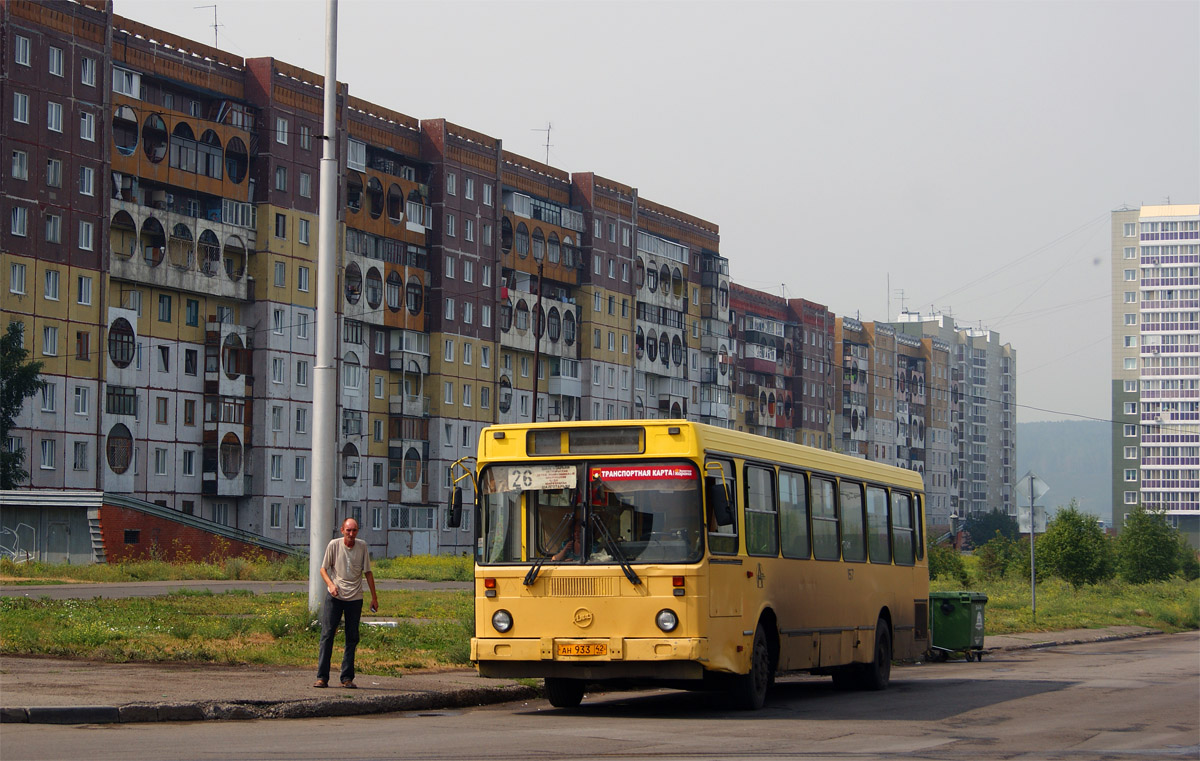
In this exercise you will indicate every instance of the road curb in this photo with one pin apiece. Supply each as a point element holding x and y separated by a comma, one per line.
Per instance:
<point>284,709</point>
<point>1077,641</point>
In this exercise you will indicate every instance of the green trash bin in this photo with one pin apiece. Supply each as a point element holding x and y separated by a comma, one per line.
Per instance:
<point>956,622</point>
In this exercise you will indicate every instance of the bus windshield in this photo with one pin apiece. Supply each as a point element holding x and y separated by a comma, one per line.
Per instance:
<point>594,512</point>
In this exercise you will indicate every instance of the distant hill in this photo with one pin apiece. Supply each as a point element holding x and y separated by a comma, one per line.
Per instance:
<point>1074,458</point>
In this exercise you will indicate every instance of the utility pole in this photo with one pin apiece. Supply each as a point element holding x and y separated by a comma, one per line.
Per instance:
<point>538,326</point>
<point>324,440</point>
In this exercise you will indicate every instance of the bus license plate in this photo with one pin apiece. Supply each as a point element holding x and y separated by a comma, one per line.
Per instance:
<point>583,648</point>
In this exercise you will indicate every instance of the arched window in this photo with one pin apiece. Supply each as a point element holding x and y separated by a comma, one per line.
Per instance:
<point>553,325</point>
<point>522,240</point>
<point>651,346</point>
<point>539,244</point>
<point>553,252</point>
<point>522,315</point>
<point>569,328</point>
<point>506,316</point>
<point>231,455</point>
<point>351,371</point>
<point>374,288</point>
<point>121,342</point>
<point>412,468</point>
<point>118,448</point>
<point>374,197</point>
<point>353,283</point>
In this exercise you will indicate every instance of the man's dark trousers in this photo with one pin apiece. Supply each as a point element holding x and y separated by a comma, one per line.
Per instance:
<point>331,615</point>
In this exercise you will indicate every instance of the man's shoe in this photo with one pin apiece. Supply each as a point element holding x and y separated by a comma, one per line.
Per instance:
<point>321,683</point>
<point>349,684</point>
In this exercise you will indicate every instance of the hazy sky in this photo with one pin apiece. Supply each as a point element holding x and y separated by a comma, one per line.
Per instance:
<point>969,153</point>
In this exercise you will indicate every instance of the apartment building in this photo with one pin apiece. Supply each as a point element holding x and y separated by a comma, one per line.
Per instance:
<point>162,216</point>
<point>1156,350</point>
<point>981,412</point>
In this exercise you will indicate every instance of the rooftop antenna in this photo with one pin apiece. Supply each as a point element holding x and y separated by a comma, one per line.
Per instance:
<point>903,306</point>
<point>549,126</point>
<point>214,23</point>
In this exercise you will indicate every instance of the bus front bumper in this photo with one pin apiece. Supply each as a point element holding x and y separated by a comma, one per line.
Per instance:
<point>606,658</point>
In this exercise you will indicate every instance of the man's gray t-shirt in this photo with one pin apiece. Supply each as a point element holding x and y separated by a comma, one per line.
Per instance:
<point>346,567</point>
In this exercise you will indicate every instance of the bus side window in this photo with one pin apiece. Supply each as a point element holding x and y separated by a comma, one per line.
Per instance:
<point>762,536</point>
<point>902,532</point>
<point>722,537</point>
<point>793,515</point>
<point>878,545</point>
<point>824,520</point>
<point>919,525</point>
<point>851,514</point>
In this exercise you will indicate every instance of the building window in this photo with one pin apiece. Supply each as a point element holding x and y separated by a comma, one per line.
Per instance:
<point>1130,430</point>
<point>301,420</point>
<point>1131,229</point>
<point>281,130</point>
<point>50,341</point>
<point>48,452</point>
<point>49,392</point>
<point>87,181</point>
<point>305,185</point>
<point>1130,408</point>
<point>84,294</point>
<point>20,222</point>
<point>1131,363</point>
<point>20,166</point>
<point>21,48</point>
<point>280,274</point>
<point>1131,474</point>
<point>451,184</point>
<point>80,461</point>
<point>87,71</point>
<point>53,173</point>
<point>469,190</point>
<point>487,195</point>
<point>281,178</point>
<point>305,137</point>
<point>85,235</point>
<point>276,467</point>
<point>83,345</point>
<point>20,108</point>
<point>276,517</point>
<point>50,292</point>
<point>281,226</point>
<point>302,325</point>
<point>164,308</point>
<point>16,278</point>
<point>302,279</point>
<point>302,372</point>
<point>1131,453</point>
<point>192,312</point>
<point>87,126</point>
<point>469,229</point>
<point>301,468</point>
<point>54,116</point>
<point>1130,275</point>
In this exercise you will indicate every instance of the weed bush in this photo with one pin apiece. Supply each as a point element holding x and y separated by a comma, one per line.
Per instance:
<point>1075,548</point>
<point>946,563</point>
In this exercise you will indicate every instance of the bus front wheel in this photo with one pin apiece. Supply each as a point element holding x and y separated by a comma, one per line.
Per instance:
<point>564,693</point>
<point>750,691</point>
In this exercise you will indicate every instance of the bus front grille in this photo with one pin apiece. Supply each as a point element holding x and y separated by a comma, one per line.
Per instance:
<point>581,587</point>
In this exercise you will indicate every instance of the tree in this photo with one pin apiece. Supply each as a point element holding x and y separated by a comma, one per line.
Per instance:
<point>1075,548</point>
<point>945,562</point>
<point>19,380</point>
<point>1000,557</point>
<point>1189,564</point>
<point>1148,548</point>
<point>982,527</point>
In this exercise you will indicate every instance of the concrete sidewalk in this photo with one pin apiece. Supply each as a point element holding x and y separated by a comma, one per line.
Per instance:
<point>56,691</point>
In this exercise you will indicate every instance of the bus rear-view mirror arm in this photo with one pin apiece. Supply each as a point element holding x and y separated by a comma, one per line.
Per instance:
<point>454,509</point>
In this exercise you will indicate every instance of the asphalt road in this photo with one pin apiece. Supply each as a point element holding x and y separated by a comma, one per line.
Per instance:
<point>1131,699</point>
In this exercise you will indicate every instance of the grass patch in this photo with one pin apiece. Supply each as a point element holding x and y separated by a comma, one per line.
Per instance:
<point>1168,605</point>
<point>295,568</point>
<point>273,629</point>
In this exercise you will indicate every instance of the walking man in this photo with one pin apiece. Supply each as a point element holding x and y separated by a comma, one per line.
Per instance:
<point>347,561</point>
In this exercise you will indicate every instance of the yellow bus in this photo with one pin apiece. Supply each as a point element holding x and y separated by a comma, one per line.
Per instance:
<point>669,552</point>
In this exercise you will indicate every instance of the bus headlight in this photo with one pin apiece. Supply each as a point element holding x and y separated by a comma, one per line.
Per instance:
<point>666,620</point>
<point>502,621</point>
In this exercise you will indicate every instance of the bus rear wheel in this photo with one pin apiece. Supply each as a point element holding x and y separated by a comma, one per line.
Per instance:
<point>564,693</point>
<point>750,690</point>
<point>876,674</point>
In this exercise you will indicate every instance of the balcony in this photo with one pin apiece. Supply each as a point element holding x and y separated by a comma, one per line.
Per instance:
<point>408,405</point>
<point>565,380</point>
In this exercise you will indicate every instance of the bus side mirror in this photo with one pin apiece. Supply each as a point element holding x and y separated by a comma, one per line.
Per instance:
<point>454,519</point>
<point>718,502</point>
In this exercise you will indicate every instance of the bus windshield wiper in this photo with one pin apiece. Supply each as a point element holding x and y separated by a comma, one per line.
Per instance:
<point>555,538</point>
<point>611,545</point>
